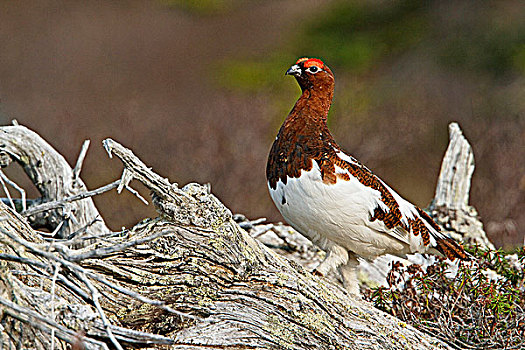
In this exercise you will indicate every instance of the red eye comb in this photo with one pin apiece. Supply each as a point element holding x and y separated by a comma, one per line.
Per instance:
<point>310,62</point>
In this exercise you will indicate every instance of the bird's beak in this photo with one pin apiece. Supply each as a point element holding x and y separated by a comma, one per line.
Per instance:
<point>294,70</point>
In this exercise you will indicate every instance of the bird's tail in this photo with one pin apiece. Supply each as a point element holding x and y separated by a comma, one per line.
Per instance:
<point>451,249</point>
<point>443,243</point>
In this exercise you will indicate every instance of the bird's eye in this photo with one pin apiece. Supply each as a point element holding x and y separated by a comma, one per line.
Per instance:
<point>313,69</point>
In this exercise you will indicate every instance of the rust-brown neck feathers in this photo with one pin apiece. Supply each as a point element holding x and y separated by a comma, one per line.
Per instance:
<point>317,84</point>
<point>304,135</point>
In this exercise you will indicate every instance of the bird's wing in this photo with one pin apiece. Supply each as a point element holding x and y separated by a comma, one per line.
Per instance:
<point>395,216</point>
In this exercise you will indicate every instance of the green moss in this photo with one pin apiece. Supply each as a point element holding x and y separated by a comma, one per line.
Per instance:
<point>281,278</point>
<point>217,243</point>
<point>319,323</point>
<point>216,225</point>
<point>283,333</point>
<point>205,295</point>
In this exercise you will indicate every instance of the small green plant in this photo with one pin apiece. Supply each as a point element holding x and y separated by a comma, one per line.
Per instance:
<point>480,307</point>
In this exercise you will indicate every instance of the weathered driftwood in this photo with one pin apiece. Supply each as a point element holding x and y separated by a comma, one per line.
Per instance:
<point>54,179</point>
<point>450,207</point>
<point>189,279</point>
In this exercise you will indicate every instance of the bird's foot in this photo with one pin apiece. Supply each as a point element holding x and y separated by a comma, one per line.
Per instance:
<point>349,275</point>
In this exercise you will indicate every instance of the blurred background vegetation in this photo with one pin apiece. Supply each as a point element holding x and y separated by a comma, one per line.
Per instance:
<point>196,89</point>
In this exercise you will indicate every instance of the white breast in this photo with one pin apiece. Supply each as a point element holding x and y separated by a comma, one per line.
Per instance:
<point>334,213</point>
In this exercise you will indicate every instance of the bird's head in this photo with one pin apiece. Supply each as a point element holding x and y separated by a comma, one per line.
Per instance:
<point>311,73</point>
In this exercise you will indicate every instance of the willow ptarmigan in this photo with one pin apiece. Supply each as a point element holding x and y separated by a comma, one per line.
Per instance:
<point>334,200</point>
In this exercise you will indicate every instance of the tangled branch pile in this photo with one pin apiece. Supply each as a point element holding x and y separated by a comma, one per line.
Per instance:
<point>479,306</point>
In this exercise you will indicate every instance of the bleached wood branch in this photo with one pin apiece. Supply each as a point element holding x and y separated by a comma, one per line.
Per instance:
<point>80,159</point>
<point>54,179</point>
<point>453,186</point>
<point>450,207</point>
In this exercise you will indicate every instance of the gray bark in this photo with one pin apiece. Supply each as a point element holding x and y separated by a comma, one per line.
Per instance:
<point>188,279</point>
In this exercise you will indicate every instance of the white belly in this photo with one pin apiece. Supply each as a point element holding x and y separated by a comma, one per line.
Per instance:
<point>334,214</point>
